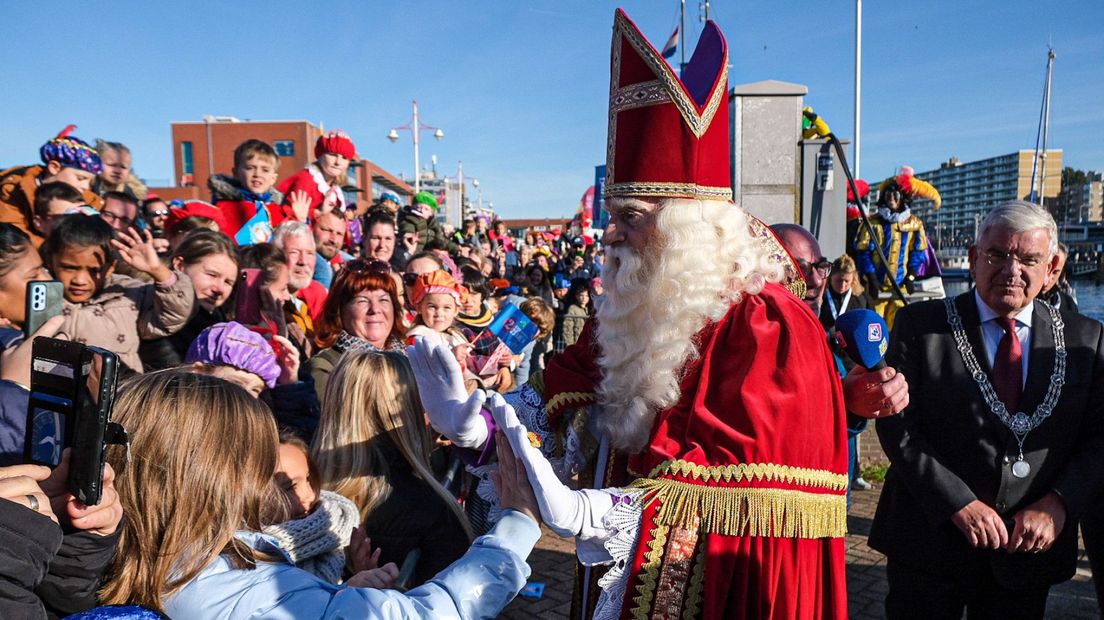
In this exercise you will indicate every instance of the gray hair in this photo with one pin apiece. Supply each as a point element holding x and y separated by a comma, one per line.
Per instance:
<point>290,229</point>
<point>1020,216</point>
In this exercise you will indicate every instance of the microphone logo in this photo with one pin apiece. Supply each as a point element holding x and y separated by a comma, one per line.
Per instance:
<point>874,332</point>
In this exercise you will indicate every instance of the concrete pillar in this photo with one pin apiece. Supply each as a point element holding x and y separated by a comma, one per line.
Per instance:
<point>766,162</point>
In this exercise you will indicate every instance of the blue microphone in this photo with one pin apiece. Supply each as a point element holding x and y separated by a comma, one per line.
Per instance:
<point>864,337</point>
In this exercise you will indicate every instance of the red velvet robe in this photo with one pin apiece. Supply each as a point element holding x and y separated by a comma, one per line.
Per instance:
<point>746,475</point>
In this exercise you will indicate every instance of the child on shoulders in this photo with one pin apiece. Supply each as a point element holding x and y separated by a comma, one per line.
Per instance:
<point>321,181</point>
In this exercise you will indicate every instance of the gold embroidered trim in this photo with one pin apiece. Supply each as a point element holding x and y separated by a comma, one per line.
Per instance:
<point>698,123</point>
<point>664,189</point>
<point>568,398</point>
<point>794,280</point>
<point>649,573</point>
<point>611,135</point>
<point>743,511</point>
<point>697,585</point>
<point>678,562</point>
<point>753,472</point>
<point>638,96</point>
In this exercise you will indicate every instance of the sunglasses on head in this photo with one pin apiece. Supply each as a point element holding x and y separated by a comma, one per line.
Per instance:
<point>360,265</point>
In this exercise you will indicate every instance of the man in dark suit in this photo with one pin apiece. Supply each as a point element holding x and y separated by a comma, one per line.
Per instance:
<point>997,454</point>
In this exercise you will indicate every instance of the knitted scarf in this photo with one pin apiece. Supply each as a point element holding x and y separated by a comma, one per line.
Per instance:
<point>346,342</point>
<point>316,543</point>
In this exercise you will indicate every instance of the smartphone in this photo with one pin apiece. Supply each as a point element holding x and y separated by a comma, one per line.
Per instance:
<point>93,428</point>
<point>44,301</point>
<point>72,395</point>
<point>55,367</point>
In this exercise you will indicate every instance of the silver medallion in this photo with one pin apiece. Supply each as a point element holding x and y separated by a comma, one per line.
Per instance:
<point>1021,469</point>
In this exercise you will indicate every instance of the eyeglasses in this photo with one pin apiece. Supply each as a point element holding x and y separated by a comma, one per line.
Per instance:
<point>108,216</point>
<point>159,213</point>
<point>1000,259</point>
<point>823,267</point>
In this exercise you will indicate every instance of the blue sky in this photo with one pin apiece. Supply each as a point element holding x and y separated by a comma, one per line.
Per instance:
<point>520,88</point>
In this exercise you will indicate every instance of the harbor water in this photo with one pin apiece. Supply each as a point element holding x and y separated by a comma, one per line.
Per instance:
<point>1090,297</point>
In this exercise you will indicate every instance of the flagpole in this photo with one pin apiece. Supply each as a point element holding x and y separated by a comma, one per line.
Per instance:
<point>858,82</point>
<point>682,36</point>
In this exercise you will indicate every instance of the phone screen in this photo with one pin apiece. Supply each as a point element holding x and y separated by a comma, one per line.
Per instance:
<point>49,431</point>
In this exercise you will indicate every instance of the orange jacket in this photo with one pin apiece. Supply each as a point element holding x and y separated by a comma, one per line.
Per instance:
<point>17,193</point>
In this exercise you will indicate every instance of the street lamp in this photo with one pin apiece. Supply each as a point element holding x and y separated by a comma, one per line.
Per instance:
<point>415,128</point>
<point>475,184</point>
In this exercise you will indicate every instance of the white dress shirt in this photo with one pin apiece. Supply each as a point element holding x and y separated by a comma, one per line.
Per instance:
<point>993,332</point>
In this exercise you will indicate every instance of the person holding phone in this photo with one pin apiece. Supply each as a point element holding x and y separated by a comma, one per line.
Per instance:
<point>222,566</point>
<point>45,572</point>
<point>19,264</point>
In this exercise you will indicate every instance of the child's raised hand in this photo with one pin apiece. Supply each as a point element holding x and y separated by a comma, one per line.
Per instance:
<point>359,555</point>
<point>287,356</point>
<point>380,578</point>
<point>300,204</point>
<point>141,254</point>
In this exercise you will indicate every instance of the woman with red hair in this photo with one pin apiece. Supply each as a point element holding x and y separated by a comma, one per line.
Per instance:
<point>362,311</point>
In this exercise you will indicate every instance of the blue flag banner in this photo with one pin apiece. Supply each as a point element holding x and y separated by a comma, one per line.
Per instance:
<point>257,230</point>
<point>513,328</point>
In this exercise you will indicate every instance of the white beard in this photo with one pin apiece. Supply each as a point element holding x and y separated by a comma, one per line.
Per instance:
<point>655,303</point>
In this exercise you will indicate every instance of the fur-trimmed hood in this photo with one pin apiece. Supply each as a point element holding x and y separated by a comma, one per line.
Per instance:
<point>228,188</point>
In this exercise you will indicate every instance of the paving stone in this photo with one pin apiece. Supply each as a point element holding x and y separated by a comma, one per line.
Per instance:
<point>553,563</point>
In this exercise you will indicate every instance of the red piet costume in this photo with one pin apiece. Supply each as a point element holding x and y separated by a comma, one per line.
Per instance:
<point>742,484</point>
<point>312,181</point>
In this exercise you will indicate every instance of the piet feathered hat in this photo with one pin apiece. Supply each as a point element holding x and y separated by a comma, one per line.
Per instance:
<point>910,187</point>
<point>668,136</point>
<point>71,152</point>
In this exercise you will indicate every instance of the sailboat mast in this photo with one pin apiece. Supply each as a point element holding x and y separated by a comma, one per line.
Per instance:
<point>1046,124</point>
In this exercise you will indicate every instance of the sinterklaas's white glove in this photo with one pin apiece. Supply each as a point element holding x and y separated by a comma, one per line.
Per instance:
<point>440,379</point>
<point>567,513</point>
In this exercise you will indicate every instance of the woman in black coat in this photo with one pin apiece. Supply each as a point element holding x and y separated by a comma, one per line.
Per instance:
<point>844,292</point>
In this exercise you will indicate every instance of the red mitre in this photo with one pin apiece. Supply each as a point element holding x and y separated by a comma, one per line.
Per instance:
<point>668,137</point>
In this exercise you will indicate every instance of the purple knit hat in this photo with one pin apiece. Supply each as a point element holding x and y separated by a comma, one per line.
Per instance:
<point>233,344</point>
<point>71,152</point>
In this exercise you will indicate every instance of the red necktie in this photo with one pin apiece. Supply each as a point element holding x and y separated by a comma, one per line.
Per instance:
<point>1008,366</point>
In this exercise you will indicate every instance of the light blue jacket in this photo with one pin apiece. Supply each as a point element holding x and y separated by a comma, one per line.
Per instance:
<point>478,585</point>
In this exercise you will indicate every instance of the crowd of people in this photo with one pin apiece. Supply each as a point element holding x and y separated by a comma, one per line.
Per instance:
<point>309,304</point>
<point>323,422</point>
